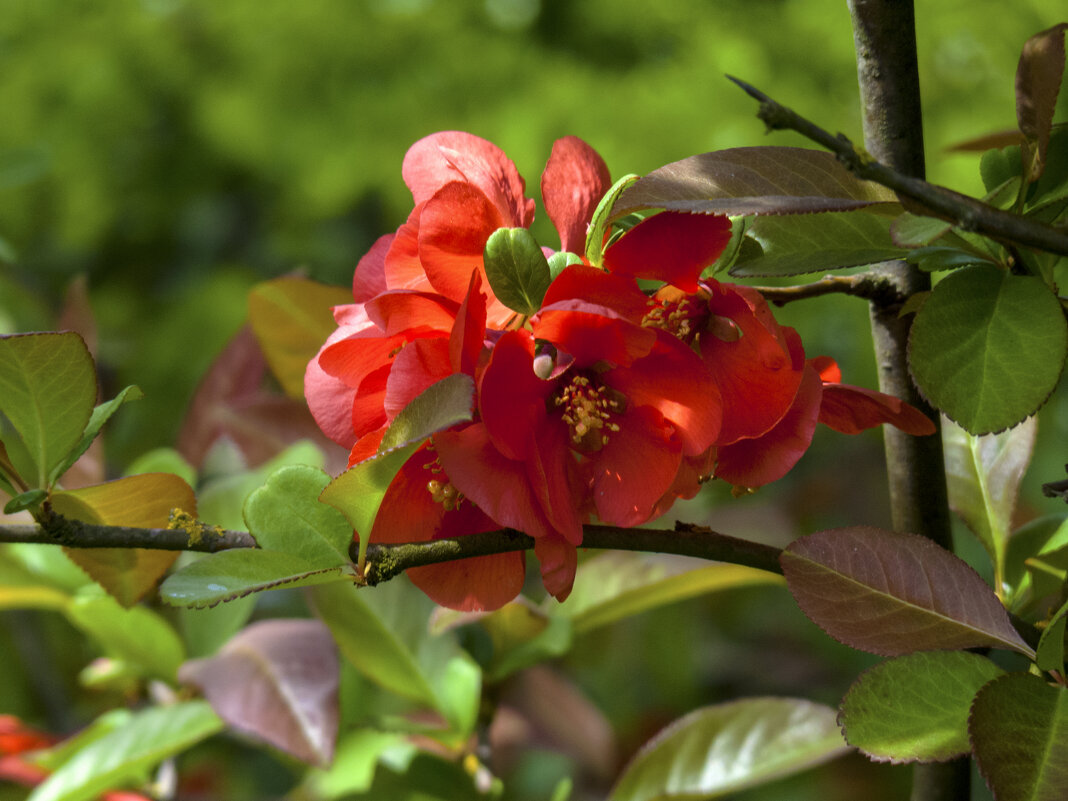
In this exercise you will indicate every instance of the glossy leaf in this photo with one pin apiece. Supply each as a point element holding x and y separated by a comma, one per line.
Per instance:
<point>753,180</point>
<point>1038,81</point>
<point>291,318</point>
<point>516,269</point>
<point>618,584</point>
<point>722,749</point>
<point>914,708</point>
<point>1019,730</point>
<point>983,475</point>
<point>560,261</point>
<point>891,593</point>
<point>232,574</point>
<point>277,680</point>
<point>601,219</point>
<point>286,515</point>
<point>808,243</point>
<point>127,753</point>
<point>47,391</point>
<point>101,414</point>
<point>987,347</point>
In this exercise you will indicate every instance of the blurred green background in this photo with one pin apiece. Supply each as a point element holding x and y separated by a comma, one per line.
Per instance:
<point>176,152</point>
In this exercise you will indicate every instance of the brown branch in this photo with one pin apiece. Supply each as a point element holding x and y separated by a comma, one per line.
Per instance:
<point>870,286</point>
<point>72,533</point>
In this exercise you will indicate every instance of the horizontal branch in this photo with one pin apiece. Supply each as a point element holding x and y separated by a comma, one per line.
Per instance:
<point>78,534</point>
<point>938,201</point>
<point>870,286</point>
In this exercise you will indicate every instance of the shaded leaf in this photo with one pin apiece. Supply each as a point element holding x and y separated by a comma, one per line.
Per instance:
<point>807,243</point>
<point>516,269</point>
<point>601,219</point>
<point>914,708</point>
<point>232,574</point>
<point>101,414</point>
<point>618,584</point>
<point>987,348</point>
<point>291,318</point>
<point>30,499</point>
<point>1050,652</point>
<point>1033,539</point>
<point>439,406</point>
<point>278,681</point>
<point>423,777</point>
<point>47,392</point>
<point>1019,730</point>
<point>932,259</point>
<point>891,593</point>
<point>722,749</point>
<point>753,180</point>
<point>1038,81</point>
<point>127,753</point>
<point>983,475</point>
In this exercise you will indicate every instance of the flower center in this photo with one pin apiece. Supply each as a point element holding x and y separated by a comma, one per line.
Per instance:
<point>588,407</point>
<point>679,317</point>
<point>440,488</point>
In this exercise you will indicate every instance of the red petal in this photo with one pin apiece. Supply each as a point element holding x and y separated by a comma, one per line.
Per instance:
<point>329,397</point>
<point>511,397</point>
<point>671,246</point>
<point>755,462</point>
<point>354,357</point>
<point>478,584</point>
<point>828,369</point>
<point>367,446</point>
<point>554,474</point>
<point>420,364</point>
<point>559,561</point>
<point>367,413</point>
<point>599,288</point>
<point>370,276</point>
<point>449,156</point>
<point>852,409</point>
<point>402,268</point>
<point>468,335</point>
<point>593,333</point>
<point>574,181</point>
<point>399,311</point>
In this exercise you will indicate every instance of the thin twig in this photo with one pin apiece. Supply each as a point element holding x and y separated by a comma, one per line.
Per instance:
<point>870,286</point>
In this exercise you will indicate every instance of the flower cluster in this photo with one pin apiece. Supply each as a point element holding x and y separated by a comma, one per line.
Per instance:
<point>607,403</point>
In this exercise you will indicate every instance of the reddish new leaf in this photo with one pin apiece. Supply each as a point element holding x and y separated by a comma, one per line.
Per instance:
<point>891,593</point>
<point>278,681</point>
<point>753,180</point>
<point>1038,81</point>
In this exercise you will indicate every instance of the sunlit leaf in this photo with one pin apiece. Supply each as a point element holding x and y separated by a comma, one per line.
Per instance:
<point>47,391</point>
<point>891,593</point>
<point>987,348</point>
<point>1019,730</point>
<point>292,318</point>
<point>619,584</point>
<point>753,180</point>
<point>602,216</point>
<point>1038,81</point>
<point>516,269</point>
<point>101,414</point>
<point>278,681</point>
<point>915,707</point>
<point>722,749</point>
<point>127,753</point>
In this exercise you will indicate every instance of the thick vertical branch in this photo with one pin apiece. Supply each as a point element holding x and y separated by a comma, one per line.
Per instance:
<point>885,41</point>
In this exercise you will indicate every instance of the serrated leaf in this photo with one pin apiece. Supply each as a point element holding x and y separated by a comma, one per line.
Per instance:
<point>47,391</point>
<point>439,406</point>
<point>1049,655</point>
<point>987,348</point>
<point>722,749</point>
<point>101,414</point>
<point>983,476</point>
<point>1038,81</point>
<point>516,269</point>
<point>601,219</point>
<point>891,593</point>
<point>753,180</point>
<point>278,681</point>
<point>1019,731</point>
<point>286,515</point>
<point>618,584</point>
<point>291,318</point>
<point>808,243</point>
<point>127,753</point>
<point>236,573</point>
<point>914,708</point>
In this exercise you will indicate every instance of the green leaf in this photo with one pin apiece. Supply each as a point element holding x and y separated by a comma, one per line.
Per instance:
<point>618,584</point>
<point>1050,652</point>
<point>602,217</point>
<point>440,406</point>
<point>30,499</point>
<point>932,259</point>
<point>232,574</point>
<point>137,635</point>
<point>1019,730</point>
<point>47,391</point>
<point>101,414</point>
<point>286,515</point>
<point>1033,539</point>
<point>722,749</point>
<point>987,348</point>
<point>913,230</point>
<point>807,243</point>
<point>983,475</point>
<point>126,754</point>
<point>516,269</point>
<point>560,261</point>
<point>355,760</point>
<point>915,708</point>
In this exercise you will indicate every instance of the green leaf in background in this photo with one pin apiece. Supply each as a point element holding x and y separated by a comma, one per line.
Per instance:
<point>983,475</point>
<point>914,708</point>
<point>601,218</point>
<point>236,573</point>
<point>718,750</point>
<point>285,515</point>
<point>618,584</point>
<point>355,761</point>
<point>932,259</point>
<point>101,414</point>
<point>126,754</point>
<point>1019,731</point>
<point>808,243</point>
<point>47,391</point>
<point>516,269</point>
<point>163,460</point>
<point>987,347</point>
<point>291,318</point>
<point>1050,652</point>
<point>1032,539</point>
